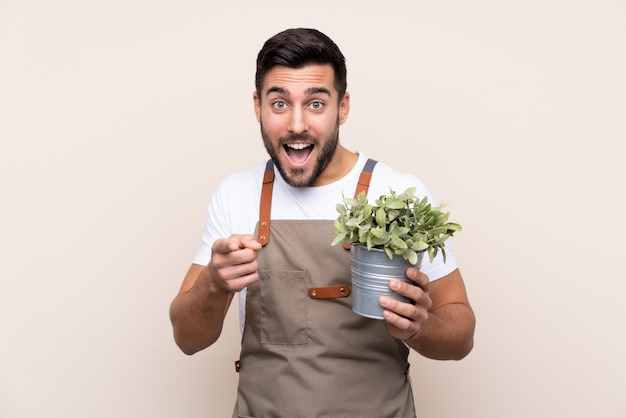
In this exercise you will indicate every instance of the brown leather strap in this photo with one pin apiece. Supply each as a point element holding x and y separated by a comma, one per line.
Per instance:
<point>364,183</point>
<point>329,292</point>
<point>365,177</point>
<point>266,204</point>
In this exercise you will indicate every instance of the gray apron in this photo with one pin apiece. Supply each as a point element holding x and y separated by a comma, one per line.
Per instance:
<point>305,353</point>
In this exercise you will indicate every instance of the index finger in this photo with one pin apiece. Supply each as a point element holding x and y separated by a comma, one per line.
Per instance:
<point>234,243</point>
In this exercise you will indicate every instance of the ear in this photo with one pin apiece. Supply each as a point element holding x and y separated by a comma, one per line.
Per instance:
<point>257,106</point>
<point>344,108</point>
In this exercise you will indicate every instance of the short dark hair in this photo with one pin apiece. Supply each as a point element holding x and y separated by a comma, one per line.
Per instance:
<point>299,47</point>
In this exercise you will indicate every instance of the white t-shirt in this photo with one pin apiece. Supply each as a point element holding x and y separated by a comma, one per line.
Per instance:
<point>234,208</point>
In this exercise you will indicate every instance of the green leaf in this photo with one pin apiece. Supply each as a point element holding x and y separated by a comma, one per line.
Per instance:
<point>432,253</point>
<point>419,246</point>
<point>399,231</point>
<point>443,218</point>
<point>438,230</point>
<point>453,227</point>
<point>408,194</point>
<point>339,238</point>
<point>392,215</point>
<point>366,212</point>
<point>397,204</point>
<point>381,217</point>
<point>399,243</point>
<point>411,257</point>
<point>354,222</point>
<point>379,241</point>
<point>379,232</point>
<point>340,228</point>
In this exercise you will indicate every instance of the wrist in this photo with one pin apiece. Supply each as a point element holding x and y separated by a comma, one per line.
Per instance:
<point>209,285</point>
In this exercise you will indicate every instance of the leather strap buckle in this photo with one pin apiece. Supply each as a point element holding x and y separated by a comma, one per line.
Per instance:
<point>329,292</point>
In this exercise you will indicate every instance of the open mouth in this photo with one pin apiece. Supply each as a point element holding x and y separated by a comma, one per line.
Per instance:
<point>298,153</point>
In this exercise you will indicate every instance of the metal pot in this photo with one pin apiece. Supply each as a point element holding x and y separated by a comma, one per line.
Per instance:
<point>371,272</point>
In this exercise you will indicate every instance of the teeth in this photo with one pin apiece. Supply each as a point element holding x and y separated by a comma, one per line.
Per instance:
<point>298,146</point>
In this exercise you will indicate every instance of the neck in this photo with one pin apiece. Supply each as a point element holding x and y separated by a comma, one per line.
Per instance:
<point>343,161</point>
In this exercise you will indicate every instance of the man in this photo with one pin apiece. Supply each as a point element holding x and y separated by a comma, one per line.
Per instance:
<point>268,237</point>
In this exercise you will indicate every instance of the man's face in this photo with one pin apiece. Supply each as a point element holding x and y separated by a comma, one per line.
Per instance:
<point>300,114</point>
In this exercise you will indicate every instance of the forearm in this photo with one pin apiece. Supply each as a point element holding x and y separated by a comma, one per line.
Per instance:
<point>197,316</point>
<point>448,334</point>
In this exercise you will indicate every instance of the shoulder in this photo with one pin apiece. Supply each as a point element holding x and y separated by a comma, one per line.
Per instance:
<point>385,178</point>
<point>242,184</point>
<point>248,178</point>
<point>236,198</point>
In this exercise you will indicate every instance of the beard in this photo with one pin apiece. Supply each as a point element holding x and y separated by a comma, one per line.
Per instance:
<point>298,177</point>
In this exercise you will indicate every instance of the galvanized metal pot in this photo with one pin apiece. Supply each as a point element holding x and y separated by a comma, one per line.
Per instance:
<point>371,272</point>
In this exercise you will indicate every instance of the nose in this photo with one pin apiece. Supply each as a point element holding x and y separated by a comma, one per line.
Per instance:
<point>297,121</point>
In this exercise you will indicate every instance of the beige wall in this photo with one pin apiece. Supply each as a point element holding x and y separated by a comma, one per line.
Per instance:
<point>118,118</point>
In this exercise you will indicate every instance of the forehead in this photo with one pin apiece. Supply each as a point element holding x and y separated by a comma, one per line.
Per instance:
<point>294,80</point>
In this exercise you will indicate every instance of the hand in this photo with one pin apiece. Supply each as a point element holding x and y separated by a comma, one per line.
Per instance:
<point>233,263</point>
<point>405,320</point>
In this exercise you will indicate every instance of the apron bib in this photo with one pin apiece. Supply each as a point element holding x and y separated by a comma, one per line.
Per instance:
<point>305,353</point>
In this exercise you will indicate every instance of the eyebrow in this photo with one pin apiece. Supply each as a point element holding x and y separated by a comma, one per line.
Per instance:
<point>309,91</point>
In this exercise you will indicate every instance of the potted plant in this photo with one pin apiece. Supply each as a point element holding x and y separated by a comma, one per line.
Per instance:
<point>387,237</point>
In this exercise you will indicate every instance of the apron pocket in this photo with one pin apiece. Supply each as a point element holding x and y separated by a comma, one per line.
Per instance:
<point>283,298</point>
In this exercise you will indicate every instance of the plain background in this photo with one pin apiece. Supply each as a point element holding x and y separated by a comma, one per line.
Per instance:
<point>119,118</point>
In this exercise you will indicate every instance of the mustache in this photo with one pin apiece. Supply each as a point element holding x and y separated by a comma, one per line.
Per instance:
<point>297,137</point>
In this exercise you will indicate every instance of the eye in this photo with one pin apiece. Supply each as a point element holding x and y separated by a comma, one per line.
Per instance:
<point>279,105</point>
<point>316,105</point>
